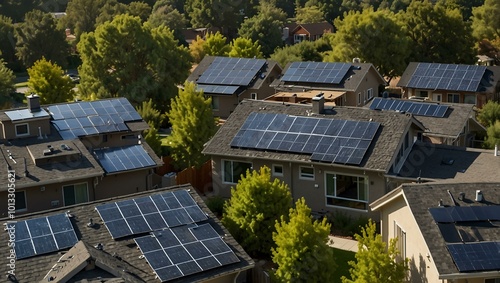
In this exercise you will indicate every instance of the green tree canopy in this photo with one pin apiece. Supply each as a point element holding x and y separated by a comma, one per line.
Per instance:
<point>81,16</point>
<point>39,37</point>
<point>489,114</point>
<point>301,252</point>
<point>153,140</point>
<point>224,14</point>
<point>16,9</point>
<point>150,114</point>
<point>309,14</point>
<point>49,82</point>
<point>255,205</point>
<point>139,9</point>
<point>193,125</point>
<point>196,49</point>
<point>492,135</point>
<point>170,17</point>
<point>303,51</point>
<point>8,44</point>
<point>6,81</point>
<point>375,262</point>
<point>216,45</point>
<point>130,59</point>
<point>110,10</point>
<point>486,20</point>
<point>245,48</point>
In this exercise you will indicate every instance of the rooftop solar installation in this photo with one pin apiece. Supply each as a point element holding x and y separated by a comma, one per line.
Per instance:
<point>116,159</point>
<point>43,235</point>
<point>23,114</point>
<point>471,257</point>
<point>185,250</point>
<point>416,108</point>
<point>327,140</point>
<point>465,213</point>
<point>85,118</point>
<point>231,71</point>
<point>447,77</point>
<point>218,89</point>
<point>146,214</point>
<point>316,72</point>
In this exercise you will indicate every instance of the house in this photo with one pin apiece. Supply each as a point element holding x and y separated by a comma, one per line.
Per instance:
<point>445,123</point>
<point>294,33</point>
<point>190,34</point>
<point>165,235</point>
<point>337,158</point>
<point>332,98</point>
<point>452,83</point>
<point>449,231</point>
<point>359,82</point>
<point>70,153</point>
<point>229,80</point>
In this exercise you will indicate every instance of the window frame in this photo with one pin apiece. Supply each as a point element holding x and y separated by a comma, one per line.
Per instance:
<point>359,98</point>
<point>215,103</point>
<point>27,130</point>
<point>305,175</point>
<point>74,185</point>
<point>223,175</point>
<point>357,200</point>
<point>466,96</point>
<point>453,95</point>
<point>369,94</point>
<point>25,201</point>
<point>275,173</point>
<point>401,244</point>
<point>253,95</point>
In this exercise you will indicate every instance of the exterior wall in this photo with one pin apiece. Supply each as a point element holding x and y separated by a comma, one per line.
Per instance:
<point>371,81</point>
<point>9,128</point>
<point>227,103</point>
<point>123,184</point>
<point>481,98</point>
<point>111,140</point>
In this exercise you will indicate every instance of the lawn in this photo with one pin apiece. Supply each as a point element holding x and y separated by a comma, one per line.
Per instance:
<point>342,258</point>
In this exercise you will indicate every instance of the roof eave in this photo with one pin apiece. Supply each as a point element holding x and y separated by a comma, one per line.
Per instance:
<point>389,197</point>
<point>452,276</point>
<point>43,183</point>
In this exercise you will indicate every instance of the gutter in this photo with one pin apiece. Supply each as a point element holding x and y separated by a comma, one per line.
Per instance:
<point>453,276</point>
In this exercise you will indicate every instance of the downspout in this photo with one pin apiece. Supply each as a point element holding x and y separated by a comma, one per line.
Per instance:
<point>236,277</point>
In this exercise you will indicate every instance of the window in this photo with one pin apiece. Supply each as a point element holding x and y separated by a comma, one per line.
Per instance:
<point>470,98</point>
<point>299,38</point>
<point>454,97</point>
<point>232,170</point>
<point>306,173</point>
<point>359,98</point>
<point>369,94</point>
<point>22,130</point>
<point>347,191</point>
<point>423,93</point>
<point>76,193</point>
<point>407,140</point>
<point>253,95</point>
<point>20,201</point>
<point>278,170</point>
<point>401,244</point>
<point>215,103</point>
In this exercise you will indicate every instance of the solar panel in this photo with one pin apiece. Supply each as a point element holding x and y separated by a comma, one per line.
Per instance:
<point>482,256</point>
<point>231,71</point>
<point>82,118</point>
<point>116,159</point>
<point>150,213</point>
<point>465,213</point>
<point>327,140</point>
<point>23,114</point>
<point>447,77</point>
<point>416,108</point>
<point>316,72</point>
<point>43,235</point>
<point>185,250</point>
<point>218,89</point>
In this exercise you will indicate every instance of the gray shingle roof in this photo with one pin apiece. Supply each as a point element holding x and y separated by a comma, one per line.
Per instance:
<point>127,255</point>
<point>378,156</point>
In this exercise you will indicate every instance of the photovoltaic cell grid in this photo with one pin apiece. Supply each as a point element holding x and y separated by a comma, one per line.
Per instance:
<point>231,71</point>
<point>43,235</point>
<point>146,214</point>
<point>316,72</point>
<point>328,140</point>
<point>218,89</point>
<point>465,213</point>
<point>89,118</point>
<point>447,77</point>
<point>482,256</point>
<point>124,158</point>
<point>185,250</point>
<point>22,114</point>
<point>416,108</point>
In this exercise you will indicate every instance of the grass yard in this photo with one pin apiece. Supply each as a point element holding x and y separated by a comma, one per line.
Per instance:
<point>342,258</point>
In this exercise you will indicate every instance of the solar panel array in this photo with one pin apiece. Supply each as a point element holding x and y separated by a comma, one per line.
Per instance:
<point>231,71</point>
<point>22,114</point>
<point>328,140</point>
<point>43,235</point>
<point>447,77</point>
<point>218,89</point>
<point>465,213</point>
<point>482,256</point>
<point>316,72</point>
<point>124,158</point>
<point>416,108</point>
<point>185,250</point>
<point>84,118</point>
<point>146,214</point>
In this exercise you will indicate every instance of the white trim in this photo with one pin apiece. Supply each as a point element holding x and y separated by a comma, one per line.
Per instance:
<point>223,172</point>
<point>253,95</point>
<point>75,184</point>
<point>367,196</point>
<point>306,176</point>
<point>27,130</point>
<point>277,174</point>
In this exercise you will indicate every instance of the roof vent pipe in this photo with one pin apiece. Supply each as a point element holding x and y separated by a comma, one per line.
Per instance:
<point>496,149</point>
<point>479,195</point>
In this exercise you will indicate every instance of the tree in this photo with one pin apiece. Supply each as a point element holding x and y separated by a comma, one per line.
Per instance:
<point>216,45</point>
<point>374,37</point>
<point>375,263</point>
<point>437,34</point>
<point>16,9</point>
<point>301,252</point>
<point>8,44</point>
<point>49,82</point>
<point>486,20</point>
<point>492,135</point>
<point>193,125</point>
<point>489,114</point>
<point>153,140</point>
<point>170,17</point>
<point>150,114</point>
<point>265,28</point>
<point>255,205</point>
<point>6,82</point>
<point>39,37</point>
<point>81,16</point>
<point>303,51</point>
<point>196,49</point>
<point>224,14</point>
<point>139,9</point>
<point>109,11</point>
<point>245,48</point>
<point>127,58</point>
<point>309,14</point>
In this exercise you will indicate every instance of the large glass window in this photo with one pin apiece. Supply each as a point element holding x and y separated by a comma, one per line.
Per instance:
<point>76,193</point>
<point>232,170</point>
<point>347,191</point>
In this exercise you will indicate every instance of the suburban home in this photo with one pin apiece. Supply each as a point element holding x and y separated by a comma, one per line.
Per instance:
<point>70,153</point>
<point>229,80</point>
<point>449,231</point>
<point>338,158</point>
<point>354,84</point>
<point>452,83</point>
<point>445,123</point>
<point>165,235</point>
<point>294,33</point>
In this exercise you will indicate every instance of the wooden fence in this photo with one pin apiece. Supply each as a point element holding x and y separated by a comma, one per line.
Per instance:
<point>200,179</point>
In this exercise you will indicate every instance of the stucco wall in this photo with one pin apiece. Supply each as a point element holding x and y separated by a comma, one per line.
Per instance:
<point>122,184</point>
<point>9,128</point>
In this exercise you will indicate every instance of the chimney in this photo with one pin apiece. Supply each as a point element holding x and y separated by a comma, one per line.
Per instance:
<point>318,104</point>
<point>33,103</point>
<point>479,195</point>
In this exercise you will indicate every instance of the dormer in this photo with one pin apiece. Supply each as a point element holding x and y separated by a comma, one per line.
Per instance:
<point>23,123</point>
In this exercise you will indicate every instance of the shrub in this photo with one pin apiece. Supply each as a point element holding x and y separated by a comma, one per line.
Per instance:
<point>346,225</point>
<point>216,205</point>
